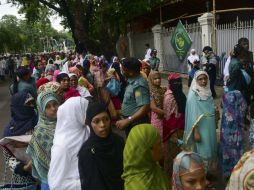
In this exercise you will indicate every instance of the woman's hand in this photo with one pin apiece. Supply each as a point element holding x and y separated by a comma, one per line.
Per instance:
<point>28,166</point>
<point>197,136</point>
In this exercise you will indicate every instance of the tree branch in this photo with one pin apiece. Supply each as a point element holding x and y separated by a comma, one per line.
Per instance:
<point>60,11</point>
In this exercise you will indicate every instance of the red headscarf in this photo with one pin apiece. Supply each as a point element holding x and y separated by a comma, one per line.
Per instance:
<point>41,81</point>
<point>72,92</point>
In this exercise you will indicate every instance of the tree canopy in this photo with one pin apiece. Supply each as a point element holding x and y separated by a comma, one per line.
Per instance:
<point>96,24</point>
<point>18,36</point>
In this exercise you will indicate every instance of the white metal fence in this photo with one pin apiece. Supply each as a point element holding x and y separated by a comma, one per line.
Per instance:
<point>228,35</point>
<point>170,60</point>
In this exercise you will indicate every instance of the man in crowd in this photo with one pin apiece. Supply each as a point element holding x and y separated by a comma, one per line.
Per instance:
<point>136,102</point>
<point>209,61</point>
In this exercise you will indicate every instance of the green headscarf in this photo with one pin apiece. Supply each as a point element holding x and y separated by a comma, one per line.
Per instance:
<point>39,147</point>
<point>140,171</point>
<point>234,67</point>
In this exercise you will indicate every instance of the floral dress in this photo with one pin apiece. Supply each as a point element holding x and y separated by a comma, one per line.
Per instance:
<point>232,125</point>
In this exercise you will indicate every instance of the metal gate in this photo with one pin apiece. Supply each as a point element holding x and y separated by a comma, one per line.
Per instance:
<point>228,35</point>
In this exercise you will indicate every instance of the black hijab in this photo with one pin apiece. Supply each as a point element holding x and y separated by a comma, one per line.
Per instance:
<point>61,76</point>
<point>175,84</point>
<point>101,159</point>
<point>23,117</point>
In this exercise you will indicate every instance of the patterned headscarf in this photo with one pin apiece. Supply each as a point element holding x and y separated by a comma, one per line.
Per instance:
<point>183,164</point>
<point>156,92</point>
<point>242,177</point>
<point>140,171</point>
<point>39,148</point>
<point>53,87</point>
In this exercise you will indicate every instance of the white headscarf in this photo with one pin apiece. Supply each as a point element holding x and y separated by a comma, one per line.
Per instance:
<point>194,57</point>
<point>66,67</point>
<point>70,134</point>
<point>203,92</point>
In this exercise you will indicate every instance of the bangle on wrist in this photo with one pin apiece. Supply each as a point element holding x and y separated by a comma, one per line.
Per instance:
<point>130,119</point>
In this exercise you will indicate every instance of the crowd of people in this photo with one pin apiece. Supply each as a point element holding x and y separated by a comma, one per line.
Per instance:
<point>68,111</point>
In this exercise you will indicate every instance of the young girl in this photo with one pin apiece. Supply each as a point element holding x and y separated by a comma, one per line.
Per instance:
<point>39,148</point>
<point>157,94</point>
<point>188,172</point>
<point>101,168</point>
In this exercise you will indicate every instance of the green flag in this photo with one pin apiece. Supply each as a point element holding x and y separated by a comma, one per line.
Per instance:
<point>181,41</point>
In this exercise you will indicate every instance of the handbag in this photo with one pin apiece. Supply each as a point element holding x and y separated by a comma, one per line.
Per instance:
<point>113,87</point>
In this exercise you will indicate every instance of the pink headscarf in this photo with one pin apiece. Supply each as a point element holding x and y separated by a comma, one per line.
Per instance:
<point>56,72</point>
<point>75,70</point>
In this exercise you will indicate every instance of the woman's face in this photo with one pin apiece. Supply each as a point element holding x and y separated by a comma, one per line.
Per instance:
<point>101,124</point>
<point>202,80</point>
<point>40,65</point>
<point>51,109</point>
<point>65,83</point>
<point>156,150</point>
<point>74,81</point>
<point>157,80</point>
<point>194,180</point>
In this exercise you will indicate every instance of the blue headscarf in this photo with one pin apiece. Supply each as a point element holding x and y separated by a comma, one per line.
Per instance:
<point>23,117</point>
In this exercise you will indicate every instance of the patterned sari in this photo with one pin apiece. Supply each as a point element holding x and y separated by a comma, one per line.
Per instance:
<point>231,136</point>
<point>39,148</point>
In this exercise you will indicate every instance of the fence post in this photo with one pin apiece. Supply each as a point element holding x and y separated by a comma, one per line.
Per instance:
<point>130,40</point>
<point>206,23</point>
<point>158,43</point>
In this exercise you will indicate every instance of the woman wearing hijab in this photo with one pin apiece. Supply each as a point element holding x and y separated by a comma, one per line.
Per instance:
<point>74,84</point>
<point>23,115</point>
<point>24,82</point>
<point>242,177</point>
<point>188,172</point>
<point>64,80</point>
<point>101,156</point>
<point>232,130</point>
<point>193,57</point>
<point>237,79</point>
<point>157,94</point>
<point>141,156</point>
<point>174,115</point>
<point>39,148</point>
<point>200,126</point>
<point>71,132</point>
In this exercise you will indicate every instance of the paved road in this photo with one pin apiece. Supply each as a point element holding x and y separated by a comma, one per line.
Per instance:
<point>4,115</point>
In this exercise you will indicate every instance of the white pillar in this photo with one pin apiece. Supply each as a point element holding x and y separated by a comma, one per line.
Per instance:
<point>130,40</point>
<point>158,43</point>
<point>206,22</point>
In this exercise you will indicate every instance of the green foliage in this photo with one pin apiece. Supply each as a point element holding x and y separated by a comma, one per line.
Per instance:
<point>99,22</point>
<point>22,36</point>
